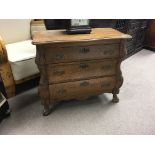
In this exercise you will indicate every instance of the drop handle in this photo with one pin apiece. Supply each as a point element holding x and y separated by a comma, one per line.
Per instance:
<point>84,50</point>
<point>84,84</point>
<point>83,66</point>
<point>59,56</point>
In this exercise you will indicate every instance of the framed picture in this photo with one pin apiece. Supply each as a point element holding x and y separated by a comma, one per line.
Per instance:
<point>79,22</point>
<point>78,26</point>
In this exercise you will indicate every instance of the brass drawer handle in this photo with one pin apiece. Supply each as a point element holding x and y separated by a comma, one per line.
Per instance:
<point>59,56</point>
<point>84,50</point>
<point>84,84</point>
<point>103,85</point>
<point>59,72</point>
<point>83,66</point>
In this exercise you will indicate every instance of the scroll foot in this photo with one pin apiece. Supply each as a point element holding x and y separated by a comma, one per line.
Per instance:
<point>115,99</point>
<point>48,108</point>
<point>47,111</point>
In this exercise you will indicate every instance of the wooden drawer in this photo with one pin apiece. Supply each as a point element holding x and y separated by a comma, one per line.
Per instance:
<point>75,53</point>
<point>80,70</point>
<point>70,90</point>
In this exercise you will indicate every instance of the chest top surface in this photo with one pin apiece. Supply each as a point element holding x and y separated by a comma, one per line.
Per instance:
<point>59,36</point>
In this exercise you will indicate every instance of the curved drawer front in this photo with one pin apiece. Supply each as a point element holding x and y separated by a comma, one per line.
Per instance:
<point>71,90</point>
<point>80,70</point>
<point>69,54</point>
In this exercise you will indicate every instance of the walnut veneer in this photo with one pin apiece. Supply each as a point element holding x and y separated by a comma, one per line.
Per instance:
<point>78,66</point>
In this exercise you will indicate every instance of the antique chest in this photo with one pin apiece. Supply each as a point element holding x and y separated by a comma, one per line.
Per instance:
<point>78,66</point>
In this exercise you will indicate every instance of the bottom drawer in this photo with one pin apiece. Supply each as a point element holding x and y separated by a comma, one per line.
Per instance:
<point>83,88</point>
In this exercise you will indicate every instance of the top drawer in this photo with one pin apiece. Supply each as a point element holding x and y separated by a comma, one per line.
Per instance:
<point>75,53</point>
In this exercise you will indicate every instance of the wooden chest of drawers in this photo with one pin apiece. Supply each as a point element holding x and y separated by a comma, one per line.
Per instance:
<point>78,66</point>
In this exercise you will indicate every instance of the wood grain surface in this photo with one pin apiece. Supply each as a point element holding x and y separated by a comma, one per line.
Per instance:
<point>77,89</point>
<point>53,36</point>
<point>80,70</point>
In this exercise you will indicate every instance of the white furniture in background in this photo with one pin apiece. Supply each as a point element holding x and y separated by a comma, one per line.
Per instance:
<point>17,54</point>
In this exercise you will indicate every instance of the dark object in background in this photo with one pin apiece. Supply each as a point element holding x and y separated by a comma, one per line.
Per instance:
<point>54,24</point>
<point>101,23</point>
<point>150,36</point>
<point>121,25</point>
<point>137,29</point>
<point>4,106</point>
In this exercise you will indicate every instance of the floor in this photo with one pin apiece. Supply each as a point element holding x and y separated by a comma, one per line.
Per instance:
<point>134,114</point>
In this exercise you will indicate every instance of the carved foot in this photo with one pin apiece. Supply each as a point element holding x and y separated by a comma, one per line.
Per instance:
<point>48,108</point>
<point>115,99</point>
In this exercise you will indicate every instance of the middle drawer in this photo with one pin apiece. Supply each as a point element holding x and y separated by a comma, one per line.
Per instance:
<point>80,70</point>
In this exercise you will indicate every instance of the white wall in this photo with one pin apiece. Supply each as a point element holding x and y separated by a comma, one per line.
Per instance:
<point>13,30</point>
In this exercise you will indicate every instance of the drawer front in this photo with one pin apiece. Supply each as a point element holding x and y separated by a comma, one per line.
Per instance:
<point>80,70</point>
<point>69,54</point>
<point>71,90</point>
